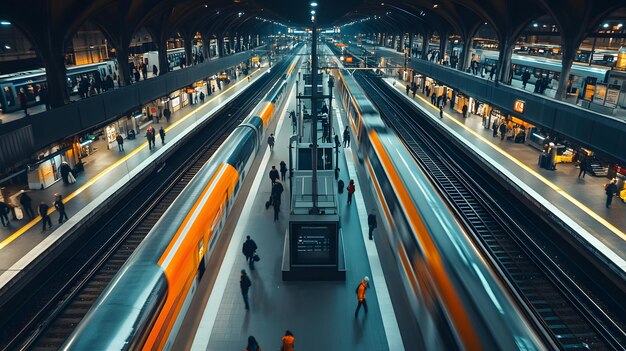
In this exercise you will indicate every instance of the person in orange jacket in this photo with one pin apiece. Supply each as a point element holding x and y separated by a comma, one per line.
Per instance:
<point>351,190</point>
<point>360,293</point>
<point>288,341</point>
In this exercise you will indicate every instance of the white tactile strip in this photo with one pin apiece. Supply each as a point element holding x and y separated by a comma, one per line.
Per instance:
<point>592,240</point>
<point>390,323</point>
<point>209,316</point>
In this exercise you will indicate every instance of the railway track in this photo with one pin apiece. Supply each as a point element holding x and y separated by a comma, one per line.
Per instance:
<point>44,319</point>
<point>569,301</point>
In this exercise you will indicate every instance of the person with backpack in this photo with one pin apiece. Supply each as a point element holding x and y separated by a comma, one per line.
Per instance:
<point>248,250</point>
<point>283,170</point>
<point>120,142</point>
<point>274,175</point>
<point>244,284</point>
<point>277,190</point>
<point>270,142</point>
<point>45,218</point>
<point>371,223</point>
<point>162,135</point>
<point>584,167</point>
<point>26,203</point>
<point>253,345</point>
<point>346,137</point>
<point>611,190</point>
<point>351,188</point>
<point>288,341</point>
<point>60,206</point>
<point>360,294</point>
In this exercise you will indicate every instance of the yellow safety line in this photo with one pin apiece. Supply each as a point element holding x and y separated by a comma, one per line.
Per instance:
<point>573,200</point>
<point>33,222</point>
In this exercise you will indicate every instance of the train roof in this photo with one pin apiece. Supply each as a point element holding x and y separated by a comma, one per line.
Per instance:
<point>42,71</point>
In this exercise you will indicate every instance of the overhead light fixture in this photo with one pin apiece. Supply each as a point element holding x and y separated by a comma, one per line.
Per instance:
<point>435,6</point>
<point>620,25</point>
<point>312,12</point>
<point>5,23</point>
<point>606,25</point>
<point>7,46</point>
<point>313,4</point>
<point>206,6</point>
<point>535,25</point>
<point>312,18</point>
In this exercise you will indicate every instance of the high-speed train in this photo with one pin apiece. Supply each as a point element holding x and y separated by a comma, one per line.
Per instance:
<point>455,296</point>
<point>145,303</point>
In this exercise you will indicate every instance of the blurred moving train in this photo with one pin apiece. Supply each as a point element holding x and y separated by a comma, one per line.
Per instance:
<point>146,302</point>
<point>456,298</point>
<point>31,82</point>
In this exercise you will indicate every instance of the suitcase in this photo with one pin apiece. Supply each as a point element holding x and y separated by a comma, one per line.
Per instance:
<point>19,214</point>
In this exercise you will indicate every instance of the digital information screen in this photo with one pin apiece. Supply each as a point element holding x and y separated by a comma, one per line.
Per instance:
<point>314,244</point>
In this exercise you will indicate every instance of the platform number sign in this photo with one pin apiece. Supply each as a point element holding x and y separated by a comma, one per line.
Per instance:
<point>519,106</point>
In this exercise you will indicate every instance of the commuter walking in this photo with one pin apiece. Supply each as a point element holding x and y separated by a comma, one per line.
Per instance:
<point>503,129</point>
<point>26,203</point>
<point>440,111</point>
<point>464,109</point>
<point>244,284</point>
<point>21,96</point>
<point>351,188</point>
<point>346,137</point>
<point>120,142</point>
<point>270,142</point>
<point>492,72</point>
<point>525,78</point>
<point>337,142</point>
<point>407,89</point>
<point>274,175</point>
<point>150,135</point>
<point>162,135</point>
<point>494,127</point>
<point>202,97</point>
<point>288,341</point>
<point>155,70</point>
<point>167,114</point>
<point>294,121</point>
<point>611,190</point>
<point>360,294</point>
<point>253,345</point>
<point>60,206</point>
<point>65,170</point>
<point>283,170</point>
<point>4,213</point>
<point>248,250</point>
<point>43,212</point>
<point>277,190</point>
<point>371,223</point>
<point>584,167</point>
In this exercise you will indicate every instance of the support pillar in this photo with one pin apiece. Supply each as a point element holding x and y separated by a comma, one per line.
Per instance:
<point>381,39</point>
<point>188,53</point>
<point>466,55</point>
<point>220,46</point>
<point>54,61</point>
<point>443,44</point>
<point>411,44</point>
<point>504,60</point>
<point>425,38</point>
<point>569,53</point>
<point>205,47</point>
<point>121,54</point>
<point>164,65</point>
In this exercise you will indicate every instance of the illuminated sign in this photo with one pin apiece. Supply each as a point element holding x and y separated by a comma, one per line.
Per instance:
<point>255,59</point>
<point>348,59</point>
<point>519,106</point>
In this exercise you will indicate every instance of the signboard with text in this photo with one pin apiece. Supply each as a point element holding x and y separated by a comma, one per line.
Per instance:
<point>519,106</point>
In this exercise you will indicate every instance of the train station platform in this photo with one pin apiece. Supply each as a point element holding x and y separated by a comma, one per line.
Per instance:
<point>577,204</point>
<point>319,313</point>
<point>105,172</point>
<point>8,117</point>
<point>549,92</point>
